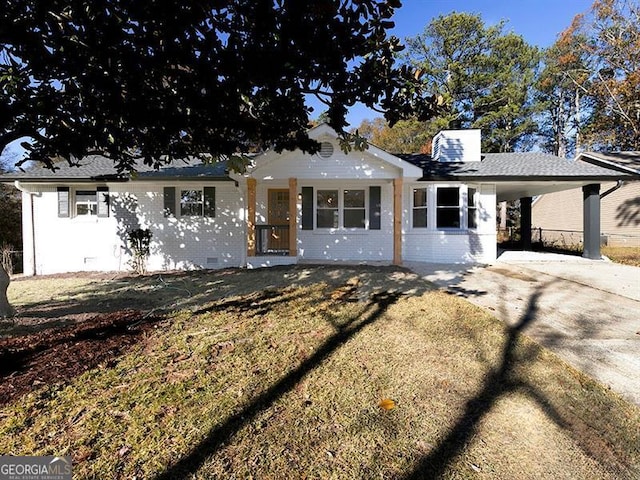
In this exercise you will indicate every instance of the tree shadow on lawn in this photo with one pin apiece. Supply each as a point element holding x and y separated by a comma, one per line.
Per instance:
<point>57,355</point>
<point>221,434</point>
<point>500,381</point>
<point>200,290</point>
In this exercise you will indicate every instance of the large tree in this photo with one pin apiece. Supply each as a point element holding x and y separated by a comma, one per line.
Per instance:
<point>486,76</point>
<point>611,34</point>
<point>590,87</point>
<point>406,136</point>
<point>561,93</point>
<point>157,80</point>
<point>10,210</point>
<point>10,232</point>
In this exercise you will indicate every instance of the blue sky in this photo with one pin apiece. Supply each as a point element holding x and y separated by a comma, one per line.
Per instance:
<point>538,21</point>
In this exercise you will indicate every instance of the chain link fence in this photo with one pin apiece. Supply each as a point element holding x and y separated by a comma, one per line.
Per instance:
<point>565,239</point>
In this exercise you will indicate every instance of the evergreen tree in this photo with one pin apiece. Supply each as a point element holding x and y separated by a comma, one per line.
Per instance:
<point>484,75</point>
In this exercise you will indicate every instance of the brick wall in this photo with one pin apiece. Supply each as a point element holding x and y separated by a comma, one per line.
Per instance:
<point>463,245</point>
<point>99,244</point>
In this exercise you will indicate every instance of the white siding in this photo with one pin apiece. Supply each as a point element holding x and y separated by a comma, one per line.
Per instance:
<point>91,243</point>
<point>450,245</point>
<point>340,166</point>
<point>349,244</point>
<point>457,146</point>
<point>356,170</point>
<point>99,244</point>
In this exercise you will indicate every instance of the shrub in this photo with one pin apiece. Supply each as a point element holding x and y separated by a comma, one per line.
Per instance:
<point>139,241</point>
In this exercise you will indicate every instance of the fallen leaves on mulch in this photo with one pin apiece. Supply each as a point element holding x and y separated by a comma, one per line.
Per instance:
<point>58,355</point>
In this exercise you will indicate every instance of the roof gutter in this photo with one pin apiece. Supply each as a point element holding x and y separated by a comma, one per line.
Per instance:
<point>63,180</point>
<point>618,185</point>
<point>521,178</point>
<point>33,222</point>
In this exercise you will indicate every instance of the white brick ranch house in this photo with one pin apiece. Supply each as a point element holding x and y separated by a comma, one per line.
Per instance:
<point>369,206</point>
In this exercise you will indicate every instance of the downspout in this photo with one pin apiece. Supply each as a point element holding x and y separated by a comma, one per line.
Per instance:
<point>33,223</point>
<point>619,184</point>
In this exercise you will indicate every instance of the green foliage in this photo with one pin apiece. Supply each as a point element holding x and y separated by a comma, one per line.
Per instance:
<point>406,136</point>
<point>485,76</point>
<point>10,214</point>
<point>560,93</point>
<point>10,217</point>
<point>589,87</point>
<point>129,80</point>
<point>612,46</point>
<point>140,244</point>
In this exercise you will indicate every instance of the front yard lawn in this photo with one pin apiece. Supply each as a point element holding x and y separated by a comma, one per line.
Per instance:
<point>296,372</point>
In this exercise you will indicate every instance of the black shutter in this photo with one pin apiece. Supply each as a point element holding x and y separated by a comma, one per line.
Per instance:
<point>209,201</point>
<point>374,208</point>
<point>63,201</point>
<point>103,201</point>
<point>307,208</point>
<point>169,201</point>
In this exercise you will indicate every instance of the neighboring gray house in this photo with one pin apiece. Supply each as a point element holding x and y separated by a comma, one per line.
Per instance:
<point>369,206</point>
<point>559,215</point>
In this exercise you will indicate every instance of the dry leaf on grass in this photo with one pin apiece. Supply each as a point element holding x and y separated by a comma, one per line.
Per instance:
<point>387,404</point>
<point>124,450</point>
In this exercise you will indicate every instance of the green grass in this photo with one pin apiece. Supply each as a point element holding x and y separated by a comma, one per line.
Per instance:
<point>279,374</point>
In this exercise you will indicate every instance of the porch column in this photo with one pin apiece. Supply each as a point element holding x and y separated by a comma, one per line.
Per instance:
<point>251,217</point>
<point>293,217</point>
<point>591,221</point>
<point>397,221</point>
<point>525,222</point>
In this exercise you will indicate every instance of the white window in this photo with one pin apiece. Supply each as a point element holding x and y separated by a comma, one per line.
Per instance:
<point>420,207</point>
<point>191,204</point>
<point>327,209</point>
<point>472,208</point>
<point>354,215</point>
<point>86,202</point>
<point>448,207</point>
<point>341,208</point>
<point>194,202</point>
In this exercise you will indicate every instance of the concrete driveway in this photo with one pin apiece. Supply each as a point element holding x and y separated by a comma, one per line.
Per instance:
<point>586,311</point>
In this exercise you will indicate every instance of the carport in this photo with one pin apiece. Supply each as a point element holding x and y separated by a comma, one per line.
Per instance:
<point>523,176</point>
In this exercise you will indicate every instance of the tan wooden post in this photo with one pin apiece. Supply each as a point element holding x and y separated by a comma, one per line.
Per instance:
<point>251,217</point>
<point>293,217</point>
<point>397,221</point>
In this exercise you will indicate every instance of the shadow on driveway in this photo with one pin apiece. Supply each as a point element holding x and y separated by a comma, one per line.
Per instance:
<point>588,316</point>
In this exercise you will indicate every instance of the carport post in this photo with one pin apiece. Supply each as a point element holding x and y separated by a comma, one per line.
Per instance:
<point>525,222</point>
<point>591,219</point>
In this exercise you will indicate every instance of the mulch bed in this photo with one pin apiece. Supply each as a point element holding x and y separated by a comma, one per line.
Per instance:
<point>57,355</point>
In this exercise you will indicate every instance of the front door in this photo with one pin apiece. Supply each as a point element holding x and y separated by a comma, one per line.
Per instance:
<point>278,220</point>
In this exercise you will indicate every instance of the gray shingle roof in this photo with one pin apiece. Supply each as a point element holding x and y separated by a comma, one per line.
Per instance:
<point>623,161</point>
<point>493,166</point>
<point>512,166</point>
<point>95,168</point>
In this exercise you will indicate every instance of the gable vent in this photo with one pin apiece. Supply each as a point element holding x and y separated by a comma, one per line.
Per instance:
<point>326,149</point>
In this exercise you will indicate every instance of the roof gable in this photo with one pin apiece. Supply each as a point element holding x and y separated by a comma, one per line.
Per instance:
<point>371,158</point>
<point>628,162</point>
